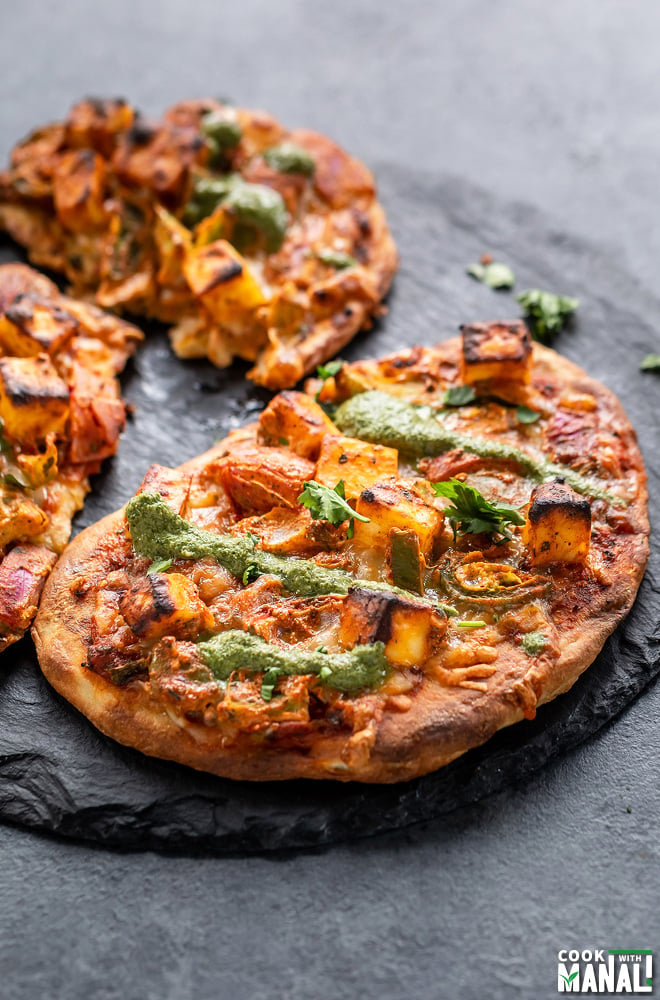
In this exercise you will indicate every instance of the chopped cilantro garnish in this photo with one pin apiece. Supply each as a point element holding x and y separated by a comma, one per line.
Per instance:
<point>651,363</point>
<point>459,395</point>
<point>493,274</point>
<point>545,312</point>
<point>472,514</point>
<point>330,370</point>
<point>526,416</point>
<point>269,683</point>
<point>327,504</point>
<point>159,566</point>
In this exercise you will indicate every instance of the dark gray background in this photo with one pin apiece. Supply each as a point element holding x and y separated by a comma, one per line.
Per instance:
<point>556,104</point>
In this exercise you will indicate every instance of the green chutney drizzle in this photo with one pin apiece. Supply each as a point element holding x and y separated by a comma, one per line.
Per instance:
<point>158,532</point>
<point>534,643</point>
<point>358,668</point>
<point>289,158</point>
<point>377,417</point>
<point>255,205</point>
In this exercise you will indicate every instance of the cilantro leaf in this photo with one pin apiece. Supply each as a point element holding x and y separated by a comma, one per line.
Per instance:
<point>472,514</point>
<point>493,274</point>
<point>459,395</point>
<point>269,683</point>
<point>328,371</point>
<point>526,416</point>
<point>651,363</point>
<point>330,505</point>
<point>159,566</point>
<point>545,312</point>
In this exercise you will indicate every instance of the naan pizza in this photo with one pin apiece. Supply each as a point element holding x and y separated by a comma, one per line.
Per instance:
<point>375,577</point>
<point>249,239</point>
<point>61,414</point>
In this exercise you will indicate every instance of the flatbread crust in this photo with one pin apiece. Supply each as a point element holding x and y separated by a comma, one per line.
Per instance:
<point>113,201</point>
<point>442,720</point>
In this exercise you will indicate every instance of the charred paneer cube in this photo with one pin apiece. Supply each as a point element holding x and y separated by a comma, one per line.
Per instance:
<point>32,326</point>
<point>359,464</point>
<point>157,158</point>
<point>98,417</point>
<point>79,191</point>
<point>96,122</point>
<point>173,241</point>
<point>293,420</point>
<point>496,351</point>
<point>559,524</point>
<point>34,401</point>
<point>395,506</point>
<point>221,278</point>
<point>411,631</point>
<point>165,604</point>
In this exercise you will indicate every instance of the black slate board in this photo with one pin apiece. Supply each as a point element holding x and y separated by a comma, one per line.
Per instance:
<point>57,773</point>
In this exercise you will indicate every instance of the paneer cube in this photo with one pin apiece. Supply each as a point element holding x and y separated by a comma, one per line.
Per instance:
<point>20,519</point>
<point>156,158</point>
<point>412,631</point>
<point>258,479</point>
<point>496,351</point>
<point>165,604</point>
<point>357,463</point>
<point>559,525</point>
<point>96,122</point>
<point>98,417</point>
<point>32,326</point>
<point>173,241</point>
<point>220,277</point>
<point>283,530</point>
<point>34,401</point>
<point>79,190</point>
<point>396,507</point>
<point>293,420</point>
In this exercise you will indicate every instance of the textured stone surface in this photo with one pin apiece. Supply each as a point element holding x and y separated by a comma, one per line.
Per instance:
<point>554,104</point>
<point>59,774</point>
